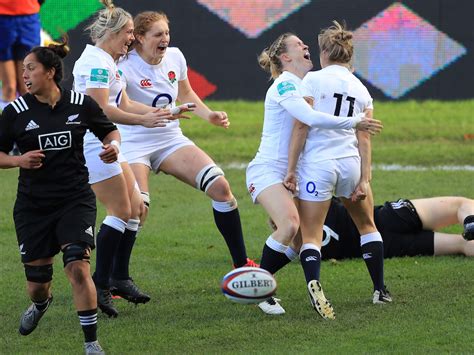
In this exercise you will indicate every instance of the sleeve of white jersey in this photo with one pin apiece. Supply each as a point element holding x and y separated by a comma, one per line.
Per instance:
<point>369,102</point>
<point>286,89</point>
<point>95,74</point>
<point>297,107</point>
<point>183,74</point>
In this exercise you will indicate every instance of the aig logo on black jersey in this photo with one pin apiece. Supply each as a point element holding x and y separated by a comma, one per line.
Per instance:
<point>55,141</point>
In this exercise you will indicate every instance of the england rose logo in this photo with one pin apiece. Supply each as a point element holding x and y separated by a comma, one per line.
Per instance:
<point>172,76</point>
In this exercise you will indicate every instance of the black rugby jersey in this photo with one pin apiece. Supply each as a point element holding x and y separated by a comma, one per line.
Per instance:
<point>59,133</point>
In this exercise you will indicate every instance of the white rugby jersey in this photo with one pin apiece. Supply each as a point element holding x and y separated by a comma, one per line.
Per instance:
<point>96,69</point>
<point>277,122</point>
<point>152,85</point>
<point>338,92</point>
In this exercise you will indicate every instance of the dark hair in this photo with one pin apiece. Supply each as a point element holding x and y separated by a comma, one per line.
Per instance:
<point>51,57</point>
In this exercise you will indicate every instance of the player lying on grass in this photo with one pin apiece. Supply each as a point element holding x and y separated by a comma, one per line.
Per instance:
<point>408,228</point>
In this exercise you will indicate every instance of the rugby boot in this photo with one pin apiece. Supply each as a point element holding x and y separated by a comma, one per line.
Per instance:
<point>271,306</point>
<point>105,303</point>
<point>468,232</point>
<point>249,263</point>
<point>381,296</point>
<point>319,301</point>
<point>30,318</point>
<point>93,348</point>
<point>128,290</point>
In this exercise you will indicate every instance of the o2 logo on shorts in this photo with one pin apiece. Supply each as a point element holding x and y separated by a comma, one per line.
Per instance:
<point>55,141</point>
<point>311,188</point>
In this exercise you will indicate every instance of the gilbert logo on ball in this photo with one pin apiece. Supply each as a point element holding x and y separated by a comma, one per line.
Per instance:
<point>248,285</point>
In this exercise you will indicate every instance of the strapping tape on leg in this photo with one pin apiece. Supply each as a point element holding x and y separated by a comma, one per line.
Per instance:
<point>40,274</point>
<point>146,198</point>
<point>76,252</point>
<point>207,176</point>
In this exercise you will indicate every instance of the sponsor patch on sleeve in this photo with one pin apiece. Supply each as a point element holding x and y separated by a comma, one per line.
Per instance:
<point>285,86</point>
<point>99,75</point>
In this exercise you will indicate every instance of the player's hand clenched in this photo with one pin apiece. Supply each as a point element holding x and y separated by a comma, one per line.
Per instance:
<point>360,192</point>
<point>290,182</point>
<point>31,160</point>
<point>109,154</point>
<point>219,118</point>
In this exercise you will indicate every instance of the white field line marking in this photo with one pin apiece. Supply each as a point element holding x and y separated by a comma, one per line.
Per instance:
<point>384,167</point>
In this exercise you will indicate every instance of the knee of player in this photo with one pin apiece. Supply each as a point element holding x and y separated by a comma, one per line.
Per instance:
<point>78,272</point>
<point>220,190</point>
<point>124,213</point>
<point>293,225</point>
<point>289,226</point>
<point>136,210</point>
<point>365,224</point>
<point>210,179</point>
<point>76,258</point>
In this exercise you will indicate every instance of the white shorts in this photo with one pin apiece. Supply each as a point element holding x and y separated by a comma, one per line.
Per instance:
<point>98,170</point>
<point>263,175</point>
<point>320,181</point>
<point>154,158</point>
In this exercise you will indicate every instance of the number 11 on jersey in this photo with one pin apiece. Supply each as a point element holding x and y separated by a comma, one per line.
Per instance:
<point>351,100</point>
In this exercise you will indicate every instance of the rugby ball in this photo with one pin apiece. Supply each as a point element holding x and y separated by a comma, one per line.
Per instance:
<point>248,285</point>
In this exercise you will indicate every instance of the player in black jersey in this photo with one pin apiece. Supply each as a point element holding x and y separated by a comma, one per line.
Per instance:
<point>55,207</point>
<point>408,228</point>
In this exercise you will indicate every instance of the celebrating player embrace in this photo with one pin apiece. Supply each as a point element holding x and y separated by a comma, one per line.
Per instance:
<point>288,61</point>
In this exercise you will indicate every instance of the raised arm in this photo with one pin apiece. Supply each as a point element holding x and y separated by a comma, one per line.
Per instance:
<point>302,111</point>
<point>187,94</point>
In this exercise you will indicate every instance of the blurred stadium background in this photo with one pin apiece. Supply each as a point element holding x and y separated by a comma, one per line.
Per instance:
<point>404,50</point>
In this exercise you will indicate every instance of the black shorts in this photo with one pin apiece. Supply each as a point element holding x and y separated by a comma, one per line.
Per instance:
<point>402,230</point>
<point>42,231</point>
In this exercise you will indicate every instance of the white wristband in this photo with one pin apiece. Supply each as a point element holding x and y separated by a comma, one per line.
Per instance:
<point>116,143</point>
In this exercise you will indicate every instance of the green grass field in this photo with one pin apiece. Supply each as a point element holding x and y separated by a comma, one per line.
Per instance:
<point>180,258</point>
